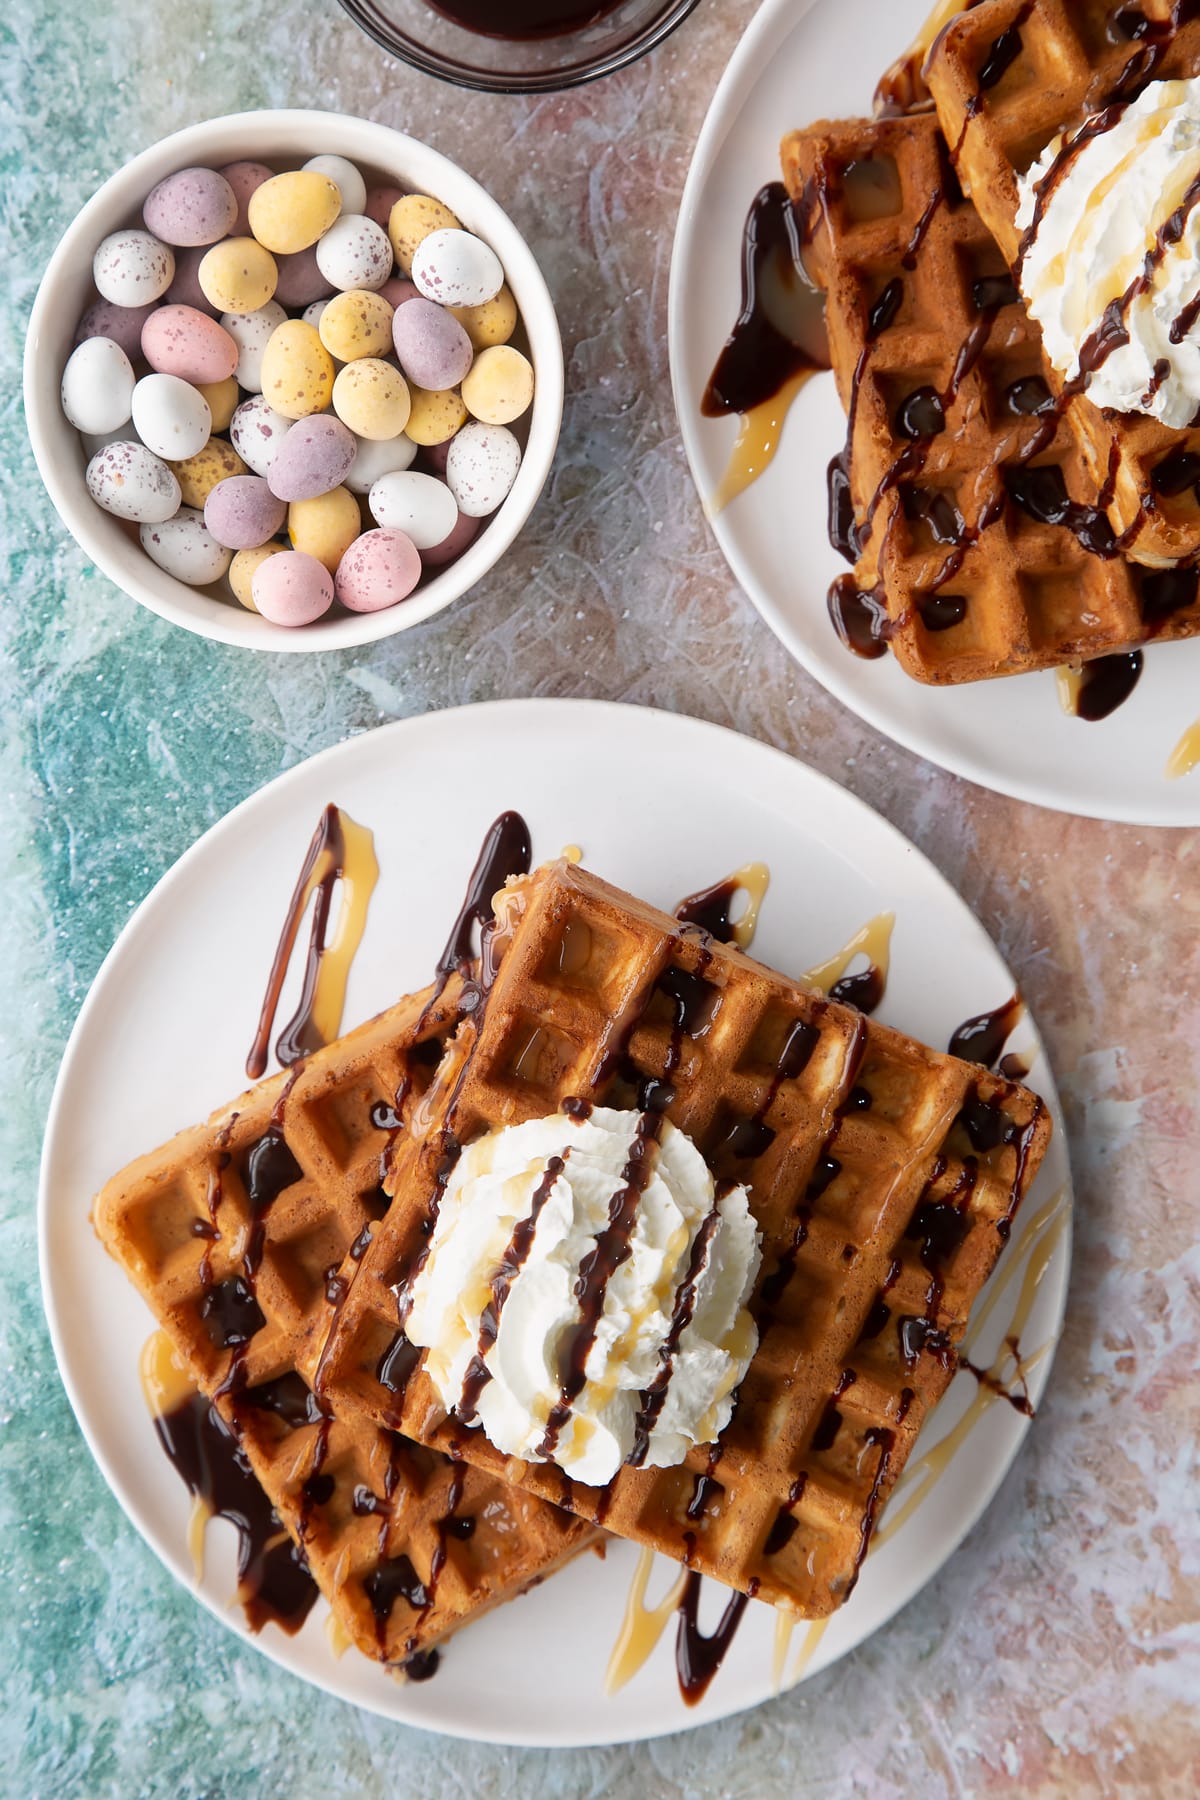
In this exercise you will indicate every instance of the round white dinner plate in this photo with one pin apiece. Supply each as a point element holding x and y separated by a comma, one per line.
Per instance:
<point>661,805</point>
<point>801,61</point>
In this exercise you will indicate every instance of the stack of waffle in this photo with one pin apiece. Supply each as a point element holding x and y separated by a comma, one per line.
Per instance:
<point>992,516</point>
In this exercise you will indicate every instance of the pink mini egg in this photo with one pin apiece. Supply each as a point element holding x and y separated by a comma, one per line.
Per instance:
<point>315,457</point>
<point>185,290</point>
<point>379,569</point>
<point>434,350</point>
<point>397,289</point>
<point>292,588</point>
<point>464,532</point>
<point>178,340</point>
<point>241,512</point>
<point>193,206</point>
<point>300,280</point>
<point>244,178</point>
<point>123,324</point>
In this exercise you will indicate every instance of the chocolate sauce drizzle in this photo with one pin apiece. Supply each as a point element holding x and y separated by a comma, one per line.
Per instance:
<point>654,1398</point>
<point>981,1038</point>
<point>297,1038</point>
<point>697,1657</point>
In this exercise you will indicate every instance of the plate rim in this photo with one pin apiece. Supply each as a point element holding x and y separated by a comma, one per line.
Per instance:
<point>274,1646</point>
<point>778,18</point>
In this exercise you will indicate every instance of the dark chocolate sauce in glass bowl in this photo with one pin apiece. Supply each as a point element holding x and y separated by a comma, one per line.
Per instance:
<point>517,20</point>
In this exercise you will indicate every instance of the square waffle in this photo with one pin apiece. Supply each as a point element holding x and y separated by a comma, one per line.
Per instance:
<point>883,1177</point>
<point>243,1236</point>
<point>1009,75</point>
<point>974,545</point>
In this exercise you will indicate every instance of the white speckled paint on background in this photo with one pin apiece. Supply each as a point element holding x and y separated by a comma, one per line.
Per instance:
<point>1059,1651</point>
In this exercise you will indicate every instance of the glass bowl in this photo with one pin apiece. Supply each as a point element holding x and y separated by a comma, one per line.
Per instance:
<point>616,33</point>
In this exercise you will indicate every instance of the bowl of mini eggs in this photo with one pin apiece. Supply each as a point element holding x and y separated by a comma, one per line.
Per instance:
<point>294,381</point>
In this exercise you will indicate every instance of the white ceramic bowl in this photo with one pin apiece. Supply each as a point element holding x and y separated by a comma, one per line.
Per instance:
<point>283,140</point>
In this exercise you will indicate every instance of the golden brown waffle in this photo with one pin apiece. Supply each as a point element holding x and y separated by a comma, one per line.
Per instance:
<point>926,331</point>
<point>1009,75</point>
<point>243,1235</point>
<point>883,1177</point>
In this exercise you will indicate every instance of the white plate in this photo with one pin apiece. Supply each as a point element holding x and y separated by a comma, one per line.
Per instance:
<point>799,62</point>
<point>165,1029</point>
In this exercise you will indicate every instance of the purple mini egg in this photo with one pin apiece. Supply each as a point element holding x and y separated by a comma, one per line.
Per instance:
<point>315,457</point>
<point>465,531</point>
<point>193,206</point>
<point>185,289</point>
<point>244,178</point>
<point>123,324</point>
<point>397,289</point>
<point>379,203</point>
<point>434,350</point>
<point>433,458</point>
<point>379,569</point>
<point>241,512</point>
<point>300,280</point>
<point>292,588</point>
<point>178,340</point>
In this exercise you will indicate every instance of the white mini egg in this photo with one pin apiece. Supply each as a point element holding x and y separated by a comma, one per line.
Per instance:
<point>97,386</point>
<point>419,505</point>
<point>456,268</point>
<point>376,457</point>
<point>355,253</point>
<point>250,331</point>
<point>185,548</point>
<point>481,466</point>
<point>312,312</point>
<point>256,431</point>
<point>171,417</point>
<point>350,183</point>
<point>130,482</point>
<point>133,268</point>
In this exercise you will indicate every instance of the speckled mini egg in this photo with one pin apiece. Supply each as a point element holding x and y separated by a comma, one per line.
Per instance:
<point>193,206</point>
<point>243,513</point>
<point>130,482</point>
<point>185,289</point>
<point>499,387</point>
<point>371,397</point>
<point>375,459</point>
<point>465,531</point>
<point>356,323</point>
<point>123,324</point>
<point>256,431</point>
<point>379,203</point>
<point>413,218</point>
<point>238,276</point>
<point>170,417</point>
<point>434,415</point>
<point>433,349</point>
<point>290,212</point>
<point>316,455</point>
<point>481,467</point>
<point>297,370</point>
<point>326,526</point>
<point>251,333</point>
<point>185,548</point>
<point>456,268</point>
<point>242,570</point>
<point>97,386</point>
<point>355,253</point>
<point>198,475</point>
<point>291,588</point>
<point>222,397</point>
<point>300,280</point>
<point>178,340</point>
<point>379,569</point>
<point>419,505</point>
<point>244,178</point>
<point>492,323</point>
<point>132,268</point>
<point>350,183</point>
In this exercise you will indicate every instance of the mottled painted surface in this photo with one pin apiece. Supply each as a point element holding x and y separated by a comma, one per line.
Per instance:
<point>1059,1651</point>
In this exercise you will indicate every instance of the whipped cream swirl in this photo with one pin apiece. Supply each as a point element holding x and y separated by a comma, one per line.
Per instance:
<point>584,1299</point>
<point>1111,266</point>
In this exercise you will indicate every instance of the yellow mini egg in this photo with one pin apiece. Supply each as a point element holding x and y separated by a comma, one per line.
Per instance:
<point>325,527</point>
<point>499,386</point>
<point>198,475</point>
<point>290,212</point>
<point>412,219</point>
<point>242,571</point>
<point>222,397</point>
<point>356,323</point>
<point>297,371</point>
<point>492,323</point>
<point>237,276</point>
<point>372,398</point>
<point>435,415</point>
